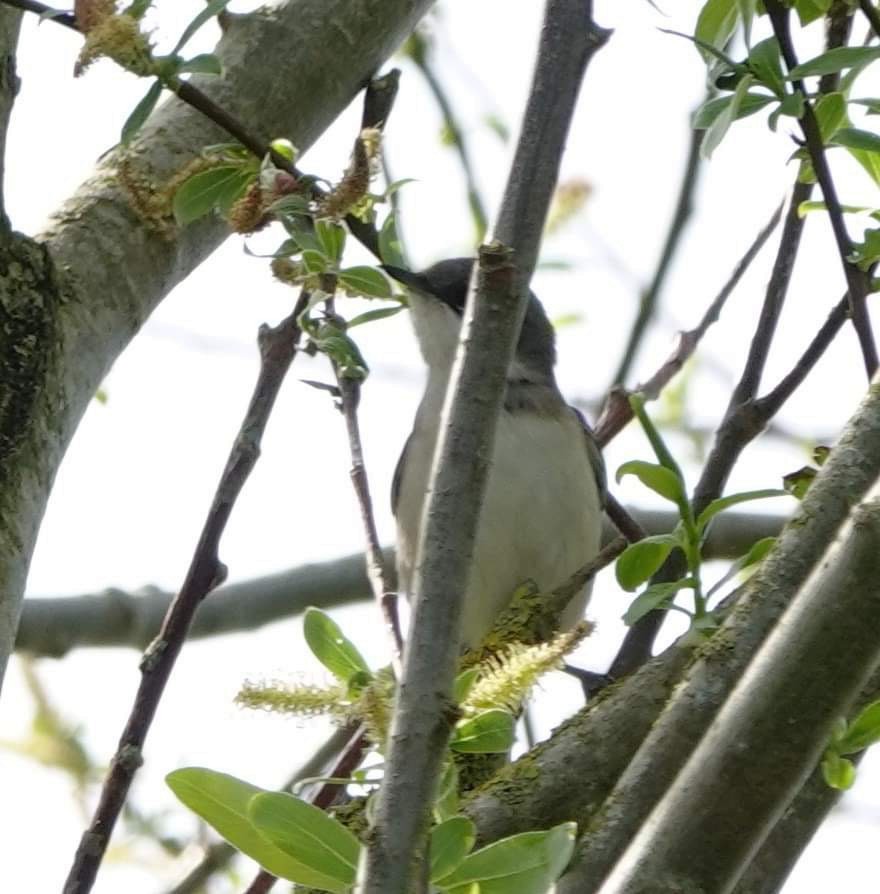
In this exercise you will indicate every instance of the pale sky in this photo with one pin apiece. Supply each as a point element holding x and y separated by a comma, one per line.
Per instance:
<point>134,488</point>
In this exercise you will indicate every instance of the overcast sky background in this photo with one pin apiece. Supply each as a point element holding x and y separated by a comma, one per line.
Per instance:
<point>134,488</point>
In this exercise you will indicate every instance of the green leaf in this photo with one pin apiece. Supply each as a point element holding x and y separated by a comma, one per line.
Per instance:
<point>463,684</point>
<point>367,281</point>
<point>797,483</point>
<point>792,106</point>
<point>204,63</point>
<point>862,732</point>
<point>390,246</point>
<point>710,110</point>
<point>715,134</point>
<point>854,138</point>
<point>380,313</point>
<point>723,503</point>
<point>835,60</point>
<point>658,478</point>
<point>839,772</point>
<point>451,842</point>
<point>308,835</point>
<point>222,801</point>
<point>138,8</point>
<point>870,161</point>
<point>446,802</point>
<point>756,553</point>
<point>716,22</point>
<point>810,10</point>
<point>655,596</point>
<point>203,192</point>
<point>747,15</point>
<point>830,113</point>
<point>638,562</point>
<point>314,261</point>
<point>140,113</point>
<point>490,732</point>
<point>766,64</point>
<point>528,863</point>
<point>331,237</point>
<point>331,647</point>
<point>212,9</point>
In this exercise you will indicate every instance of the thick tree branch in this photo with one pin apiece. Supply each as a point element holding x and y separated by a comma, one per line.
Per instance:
<point>492,319</point>
<point>10,22</point>
<point>103,265</point>
<point>767,738</point>
<point>52,627</point>
<point>849,473</point>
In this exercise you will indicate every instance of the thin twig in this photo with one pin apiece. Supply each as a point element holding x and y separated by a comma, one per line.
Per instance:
<point>856,279</point>
<point>617,412</point>
<point>277,349</point>
<point>651,295</point>
<point>871,15</point>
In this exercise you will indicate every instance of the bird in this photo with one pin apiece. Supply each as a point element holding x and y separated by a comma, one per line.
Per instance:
<point>541,516</point>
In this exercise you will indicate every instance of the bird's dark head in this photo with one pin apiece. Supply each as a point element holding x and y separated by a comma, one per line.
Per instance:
<point>438,297</point>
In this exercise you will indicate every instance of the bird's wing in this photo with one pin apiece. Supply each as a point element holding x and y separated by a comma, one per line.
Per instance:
<point>398,476</point>
<point>595,455</point>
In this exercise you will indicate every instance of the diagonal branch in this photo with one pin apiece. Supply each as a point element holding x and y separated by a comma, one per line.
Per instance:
<point>277,349</point>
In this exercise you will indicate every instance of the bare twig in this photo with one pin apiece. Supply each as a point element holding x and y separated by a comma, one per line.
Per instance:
<point>617,411</point>
<point>651,295</point>
<point>856,279</point>
<point>277,350</point>
<point>871,14</point>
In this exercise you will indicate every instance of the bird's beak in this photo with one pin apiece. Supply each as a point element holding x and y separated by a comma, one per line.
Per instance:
<point>404,277</point>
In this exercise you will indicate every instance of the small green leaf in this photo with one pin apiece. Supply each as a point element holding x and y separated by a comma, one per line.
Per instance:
<point>446,802</point>
<point>716,22</point>
<point>138,8</point>
<point>331,647</point>
<point>715,134</point>
<point>792,106</point>
<point>830,113</point>
<point>308,835</point>
<point>207,190</point>
<point>854,138</point>
<point>331,237</point>
<point>835,60</point>
<point>640,560</point>
<point>463,684</point>
<point>862,732</point>
<point>710,110</point>
<point>367,281</point>
<point>390,246</point>
<point>527,863</point>
<point>204,63</point>
<point>655,596</point>
<point>839,772</point>
<point>222,801</point>
<point>284,148</point>
<point>766,64</point>
<point>658,478</point>
<point>140,113</point>
<point>490,732</point>
<point>756,553</point>
<point>810,10</point>
<point>211,10</point>
<point>723,503</point>
<point>451,842</point>
<point>380,313</point>
<point>797,483</point>
<point>821,452</point>
<point>747,15</point>
<point>314,261</point>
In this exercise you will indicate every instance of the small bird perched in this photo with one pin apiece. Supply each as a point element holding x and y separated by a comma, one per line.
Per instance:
<point>541,517</point>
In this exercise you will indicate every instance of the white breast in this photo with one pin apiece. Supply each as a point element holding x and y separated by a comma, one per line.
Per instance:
<point>541,516</point>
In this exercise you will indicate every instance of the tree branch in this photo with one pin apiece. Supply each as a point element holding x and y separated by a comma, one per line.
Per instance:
<point>277,349</point>
<point>101,244</point>
<point>851,470</point>
<point>857,280</point>
<point>771,730</point>
<point>492,319</point>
